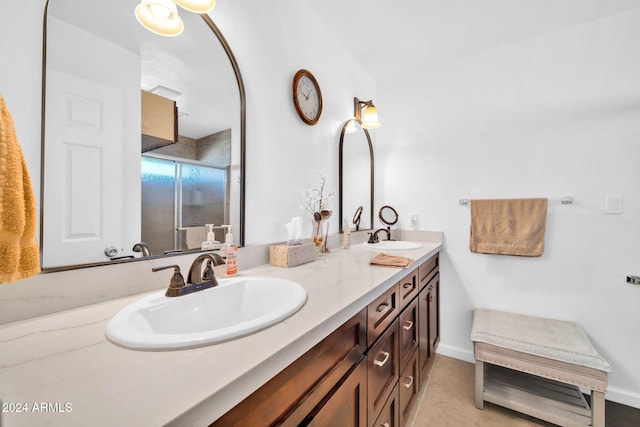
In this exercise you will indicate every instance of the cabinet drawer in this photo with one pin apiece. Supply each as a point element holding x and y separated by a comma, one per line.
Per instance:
<point>292,394</point>
<point>408,388</point>
<point>427,270</point>
<point>382,312</point>
<point>408,328</point>
<point>389,416</point>
<point>382,370</point>
<point>347,406</point>
<point>408,288</point>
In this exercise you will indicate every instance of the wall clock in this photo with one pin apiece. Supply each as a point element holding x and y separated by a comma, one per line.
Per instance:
<point>307,97</point>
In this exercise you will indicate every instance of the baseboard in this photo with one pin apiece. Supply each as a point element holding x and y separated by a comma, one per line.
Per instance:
<point>623,397</point>
<point>613,394</point>
<point>456,353</point>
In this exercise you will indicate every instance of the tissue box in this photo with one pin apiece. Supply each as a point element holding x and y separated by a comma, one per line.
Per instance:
<point>290,256</point>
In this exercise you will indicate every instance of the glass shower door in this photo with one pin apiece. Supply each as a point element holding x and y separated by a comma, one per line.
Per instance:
<point>176,195</point>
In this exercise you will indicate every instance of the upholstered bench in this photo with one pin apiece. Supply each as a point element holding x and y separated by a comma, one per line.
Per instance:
<point>535,366</point>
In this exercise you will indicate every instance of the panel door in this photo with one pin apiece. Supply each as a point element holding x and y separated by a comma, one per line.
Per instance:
<point>83,197</point>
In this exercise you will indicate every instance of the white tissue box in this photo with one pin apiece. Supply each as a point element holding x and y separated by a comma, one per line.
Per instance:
<point>290,256</point>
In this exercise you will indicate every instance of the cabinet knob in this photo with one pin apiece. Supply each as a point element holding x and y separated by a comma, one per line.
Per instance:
<point>407,325</point>
<point>382,362</point>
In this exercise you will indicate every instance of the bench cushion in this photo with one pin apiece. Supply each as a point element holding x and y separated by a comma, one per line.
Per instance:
<point>559,340</point>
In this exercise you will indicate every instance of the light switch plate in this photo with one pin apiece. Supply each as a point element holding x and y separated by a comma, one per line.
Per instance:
<point>613,204</point>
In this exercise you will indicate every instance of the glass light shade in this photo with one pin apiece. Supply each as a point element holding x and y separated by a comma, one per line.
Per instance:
<point>197,6</point>
<point>370,117</point>
<point>160,17</point>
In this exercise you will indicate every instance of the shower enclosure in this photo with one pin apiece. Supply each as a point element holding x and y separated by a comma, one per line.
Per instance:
<point>178,194</point>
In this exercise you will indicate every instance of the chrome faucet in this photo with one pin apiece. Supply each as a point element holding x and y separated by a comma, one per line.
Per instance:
<point>197,280</point>
<point>142,247</point>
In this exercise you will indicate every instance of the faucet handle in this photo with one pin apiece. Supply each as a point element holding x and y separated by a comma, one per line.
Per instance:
<point>177,281</point>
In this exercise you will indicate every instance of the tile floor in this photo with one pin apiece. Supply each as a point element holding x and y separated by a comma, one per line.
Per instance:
<point>448,401</point>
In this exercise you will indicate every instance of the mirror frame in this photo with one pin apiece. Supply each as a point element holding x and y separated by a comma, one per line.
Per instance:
<point>341,170</point>
<point>243,118</point>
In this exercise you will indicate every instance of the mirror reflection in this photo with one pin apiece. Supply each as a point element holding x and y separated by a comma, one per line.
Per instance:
<point>143,136</point>
<point>356,175</point>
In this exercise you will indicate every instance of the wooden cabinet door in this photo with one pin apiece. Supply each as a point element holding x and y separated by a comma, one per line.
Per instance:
<point>382,370</point>
<point>408,328</point>
<point>408,388</point>
<point>290,396</point>
<point>347,406</point>
<point>428,325</point>
<point>389,416</point>
<point>434,314</point>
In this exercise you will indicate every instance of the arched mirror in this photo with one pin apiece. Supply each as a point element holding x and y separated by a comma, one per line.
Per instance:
<point>143,136</point>
<point>356,175</point>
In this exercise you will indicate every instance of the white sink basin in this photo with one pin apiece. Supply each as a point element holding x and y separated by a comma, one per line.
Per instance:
<point>236,307</point>
<point>392,245</point>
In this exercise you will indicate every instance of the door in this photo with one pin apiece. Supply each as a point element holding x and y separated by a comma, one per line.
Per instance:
<point>83,133</point>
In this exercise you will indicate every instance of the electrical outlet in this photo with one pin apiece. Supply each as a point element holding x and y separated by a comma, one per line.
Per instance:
<point>413,220</point>
<point>613,204</point>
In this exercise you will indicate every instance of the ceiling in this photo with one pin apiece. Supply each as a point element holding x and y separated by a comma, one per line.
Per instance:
<point>404,35</point>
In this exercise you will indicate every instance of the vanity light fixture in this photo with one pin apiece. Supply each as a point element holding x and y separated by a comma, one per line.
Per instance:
<point>366,114</point>
<point>160,17</point>
<point>197,6</point>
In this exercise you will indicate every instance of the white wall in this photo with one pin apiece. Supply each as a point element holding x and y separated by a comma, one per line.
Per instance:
<point>549,116</point>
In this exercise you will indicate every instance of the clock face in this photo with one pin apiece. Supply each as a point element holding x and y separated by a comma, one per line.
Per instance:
<point>307,97</point>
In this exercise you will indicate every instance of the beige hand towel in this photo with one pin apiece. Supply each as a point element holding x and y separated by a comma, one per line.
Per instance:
<point>19,253</point>
<point>508,226</point>
<point>390,260</point>
<point>195,236</point>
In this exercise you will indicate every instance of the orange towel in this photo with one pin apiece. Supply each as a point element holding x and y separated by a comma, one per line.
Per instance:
<point>508,227</point>
<point>390,260</point>
<point>19,253</point>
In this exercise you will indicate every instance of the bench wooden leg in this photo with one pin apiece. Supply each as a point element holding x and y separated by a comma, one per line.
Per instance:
<point>597,409</point>
<point>480,384</point>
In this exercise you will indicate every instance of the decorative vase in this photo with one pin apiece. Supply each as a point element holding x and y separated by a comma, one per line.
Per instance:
<point>317,235</point>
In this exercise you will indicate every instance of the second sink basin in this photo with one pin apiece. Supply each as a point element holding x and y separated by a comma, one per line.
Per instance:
<point>392,245</point>
<point>236,307</point>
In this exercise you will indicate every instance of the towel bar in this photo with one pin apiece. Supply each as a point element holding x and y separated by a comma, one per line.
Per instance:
<point>566,200</point>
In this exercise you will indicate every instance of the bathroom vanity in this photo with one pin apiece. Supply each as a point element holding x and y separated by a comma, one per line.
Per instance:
<point>359,349</point>
<point>370,369</point>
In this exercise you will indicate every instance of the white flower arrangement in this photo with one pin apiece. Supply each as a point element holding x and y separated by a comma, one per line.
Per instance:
<point>316,203</point>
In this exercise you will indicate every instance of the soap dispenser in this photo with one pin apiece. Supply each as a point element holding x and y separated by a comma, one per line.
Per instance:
<point>211,243</point>
<point>229,251</point>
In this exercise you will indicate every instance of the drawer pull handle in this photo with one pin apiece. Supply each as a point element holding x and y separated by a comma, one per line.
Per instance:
<point>408,383</point>
<point>407,325</point>
<point>383,308</point>
<point>408,285</point>
<point>383,361</point>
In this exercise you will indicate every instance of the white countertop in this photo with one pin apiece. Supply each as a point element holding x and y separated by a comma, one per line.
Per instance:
<point>60,370</point>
